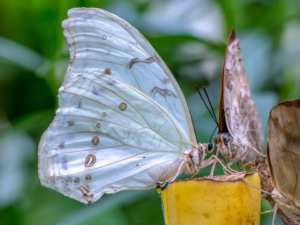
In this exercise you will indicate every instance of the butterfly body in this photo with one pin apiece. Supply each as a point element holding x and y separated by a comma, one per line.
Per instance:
<point>239,120</point>
<point>197,156</point>
<point>122,122</point>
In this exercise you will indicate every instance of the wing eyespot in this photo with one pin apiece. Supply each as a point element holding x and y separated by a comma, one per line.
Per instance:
<point>90,160</point>
<point>76,180</point>
<point>98,125</point>
<point>107,71</point>
<point>104,37</point>
<point>88,177</point>
<point>104,114</point>
<point>95,140</point>
<point>108,52</point>
<point>123,106</point>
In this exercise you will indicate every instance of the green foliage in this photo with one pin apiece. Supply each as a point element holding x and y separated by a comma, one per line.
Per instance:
<point>190,36</point>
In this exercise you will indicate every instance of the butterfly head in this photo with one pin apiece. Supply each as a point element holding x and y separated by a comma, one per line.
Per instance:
<point>223,138</point>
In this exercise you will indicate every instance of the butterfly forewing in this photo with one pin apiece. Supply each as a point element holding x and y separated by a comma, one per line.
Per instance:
<point>102,42</point>
<point>241,119</point>
<point>283,150</point>
<point>122,121</point>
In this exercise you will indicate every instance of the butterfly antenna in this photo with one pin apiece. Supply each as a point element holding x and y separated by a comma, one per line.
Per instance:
<point>217,126</point>
<point>213,133</point>
<point>206,106</point>
<point>212,109</point>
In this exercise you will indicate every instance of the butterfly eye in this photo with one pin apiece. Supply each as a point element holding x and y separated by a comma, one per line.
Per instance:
<point>225,138</point>
<point>216,139</point>
<point>210,146</point>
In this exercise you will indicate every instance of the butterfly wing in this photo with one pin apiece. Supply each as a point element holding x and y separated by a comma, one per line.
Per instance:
<point>283,149</point>
<point>241,115</point>
<point>122,122</point>
<point>99,40</point>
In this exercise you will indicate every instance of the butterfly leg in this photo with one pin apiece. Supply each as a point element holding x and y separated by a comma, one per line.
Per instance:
<point>215,161</point>
<point>196,172</point>
<point>207,163</point>
<point>274,210</point>
<point>250,147</point>
<point>178,171</point>
<point>211,160</point>
<point>274,214</point>
<point>268,193</point>
<point>249,163</point>
<point>228,166</point>
<point>242,158</point>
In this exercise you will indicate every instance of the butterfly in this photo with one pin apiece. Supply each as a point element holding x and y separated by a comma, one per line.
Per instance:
<point>266,187</point>
<point>240,132</point>
<point>123,122</point>
<point>283,156</point>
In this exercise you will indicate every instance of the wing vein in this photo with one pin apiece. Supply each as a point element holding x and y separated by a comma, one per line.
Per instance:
<point>103,105</point>
<point>141,93</point>
<point>99,43</point>
<point>106,121</point>
<point>97,132</point>
<point>76,58</point>
<point>113,35</point>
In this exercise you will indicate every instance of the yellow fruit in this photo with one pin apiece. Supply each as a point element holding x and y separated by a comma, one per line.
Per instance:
<point>212,201</point>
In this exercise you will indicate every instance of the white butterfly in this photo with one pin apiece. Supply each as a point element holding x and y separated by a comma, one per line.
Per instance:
<point>122,122</point>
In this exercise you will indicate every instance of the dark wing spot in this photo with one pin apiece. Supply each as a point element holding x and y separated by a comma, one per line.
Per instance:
<point>137,60</point>
<point>85,63</point>
<point>65,164</point>
<point>61,145</point>
<point>165,81</point>
<point>240,59</point>
<point>112,82</point>
<point>71,123</point>
<point>162,92</point>
<point>94,91</point>
<point>79,105</point>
